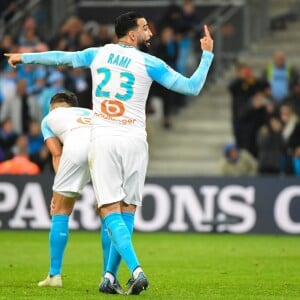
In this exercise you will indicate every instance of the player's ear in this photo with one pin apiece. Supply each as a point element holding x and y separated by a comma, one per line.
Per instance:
<point>131,34</point>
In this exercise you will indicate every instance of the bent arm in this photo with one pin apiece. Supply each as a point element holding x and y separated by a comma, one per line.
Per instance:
<point>55,149</point>
<point>172,80</point>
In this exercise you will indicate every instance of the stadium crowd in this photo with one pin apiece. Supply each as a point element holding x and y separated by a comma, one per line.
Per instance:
<point>25,91</point>
<point>265,120</point>
<point>265,109</point>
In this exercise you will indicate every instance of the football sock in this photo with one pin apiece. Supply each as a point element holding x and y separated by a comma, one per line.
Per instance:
<point>105,243</point>
<point>121,239</point>
<point>114,256</point>
<point>58,238</point>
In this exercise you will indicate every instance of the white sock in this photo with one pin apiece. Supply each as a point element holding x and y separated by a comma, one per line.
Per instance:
<point>136,272</point>
<point>110,276</point>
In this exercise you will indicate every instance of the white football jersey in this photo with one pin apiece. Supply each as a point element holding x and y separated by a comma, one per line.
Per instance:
<point>63,121</point>
<point>120,90</point>
<point>122,77</point>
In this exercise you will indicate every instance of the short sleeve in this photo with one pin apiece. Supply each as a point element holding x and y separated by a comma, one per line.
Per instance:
<point>46,131</point>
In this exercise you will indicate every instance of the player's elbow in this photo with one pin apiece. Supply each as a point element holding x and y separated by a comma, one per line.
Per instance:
<point>194,90</point>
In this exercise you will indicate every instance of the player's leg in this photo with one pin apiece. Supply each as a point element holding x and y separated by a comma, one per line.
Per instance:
<point>133,180</point>
<point>61,208</point>
<point>121,240</point>
<point>111,257</point>
<point>105,244</point>
<point>107,176</point>
<point>120,235</point>
<point>106,184</point>
<point>113,263</point>
<point>136,166</point>
<point>71,177</point>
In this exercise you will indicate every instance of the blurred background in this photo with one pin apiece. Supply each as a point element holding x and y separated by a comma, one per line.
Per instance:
<point>228,160</point>
<point>245,121</point>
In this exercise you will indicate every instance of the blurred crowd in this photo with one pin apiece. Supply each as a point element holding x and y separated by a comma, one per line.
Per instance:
<point>25,91</point>
<point>265,120</point>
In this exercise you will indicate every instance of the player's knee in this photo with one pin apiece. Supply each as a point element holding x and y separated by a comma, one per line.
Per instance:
<point>61,205</point>
<point>110,208</point>
<point>60,211</point>
<point>128,207</point>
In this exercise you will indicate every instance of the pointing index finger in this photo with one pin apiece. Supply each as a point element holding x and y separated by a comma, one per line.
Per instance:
<point>206,31</point>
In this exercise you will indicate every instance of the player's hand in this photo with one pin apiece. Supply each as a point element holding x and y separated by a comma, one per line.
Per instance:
<point>14,59</point>
<point>207,43</point>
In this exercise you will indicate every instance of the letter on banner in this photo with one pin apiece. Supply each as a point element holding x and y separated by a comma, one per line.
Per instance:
<point>232,207</point>
<point>282,210</point>
<point>162,209</point>
<point>88,219</point>
<point>31,208</point>
<point>187,202</point>
<point>9,199</point>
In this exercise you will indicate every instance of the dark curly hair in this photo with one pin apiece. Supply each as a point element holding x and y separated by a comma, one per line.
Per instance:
<point>126,22</point>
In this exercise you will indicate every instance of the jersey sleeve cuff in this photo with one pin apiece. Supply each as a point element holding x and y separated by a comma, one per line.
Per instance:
<point>208,54</point>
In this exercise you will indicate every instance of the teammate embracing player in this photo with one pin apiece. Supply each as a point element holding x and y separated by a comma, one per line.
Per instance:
<point>118,154</point>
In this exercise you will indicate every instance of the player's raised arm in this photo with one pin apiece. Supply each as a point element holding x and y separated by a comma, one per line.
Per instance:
<point>164,75</point>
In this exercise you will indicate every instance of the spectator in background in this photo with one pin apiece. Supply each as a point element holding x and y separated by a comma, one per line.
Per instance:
<point>167,50</point>
<point>290,134</point>
<point>103,37</point>
<point>294,97</point>
<point>20,164</point>
<point>171,17</point>
<point>17,108</point>
<point>85,41</point>
<point>56,81</point>
<point>35,138</point>
<point>8,137</point>
<point>29,39</point>
<point>189,16</point>
<point>270,147</point>
<point>8,84</point>
<point>280,77</point>
<point>37,150</point>
<point>6,45</point>
<point>237,162</point>
<point>241,88</point>
<point>8,8</point>
<point>30,73</point>
<point>296,160</point>
<point>79,81</point>
<point>69,35</point>
<point>189,22</point>
<point>251,105</point>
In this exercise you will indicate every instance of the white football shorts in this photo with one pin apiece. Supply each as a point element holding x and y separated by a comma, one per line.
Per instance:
<point>118,166</point>
<point>73,171</point>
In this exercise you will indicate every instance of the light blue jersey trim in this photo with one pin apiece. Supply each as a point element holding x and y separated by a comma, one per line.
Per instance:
<point>78,59</point>
<point>46,131</point>
<point>159,71</point>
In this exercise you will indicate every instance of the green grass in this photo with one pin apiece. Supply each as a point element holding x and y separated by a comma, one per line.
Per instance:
<point>179,266</point>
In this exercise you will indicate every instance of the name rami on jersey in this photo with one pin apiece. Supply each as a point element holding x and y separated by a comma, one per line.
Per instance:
<point>119,60</point>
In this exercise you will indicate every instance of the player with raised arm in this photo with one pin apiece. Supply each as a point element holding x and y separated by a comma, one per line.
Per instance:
<point>118,155</point>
